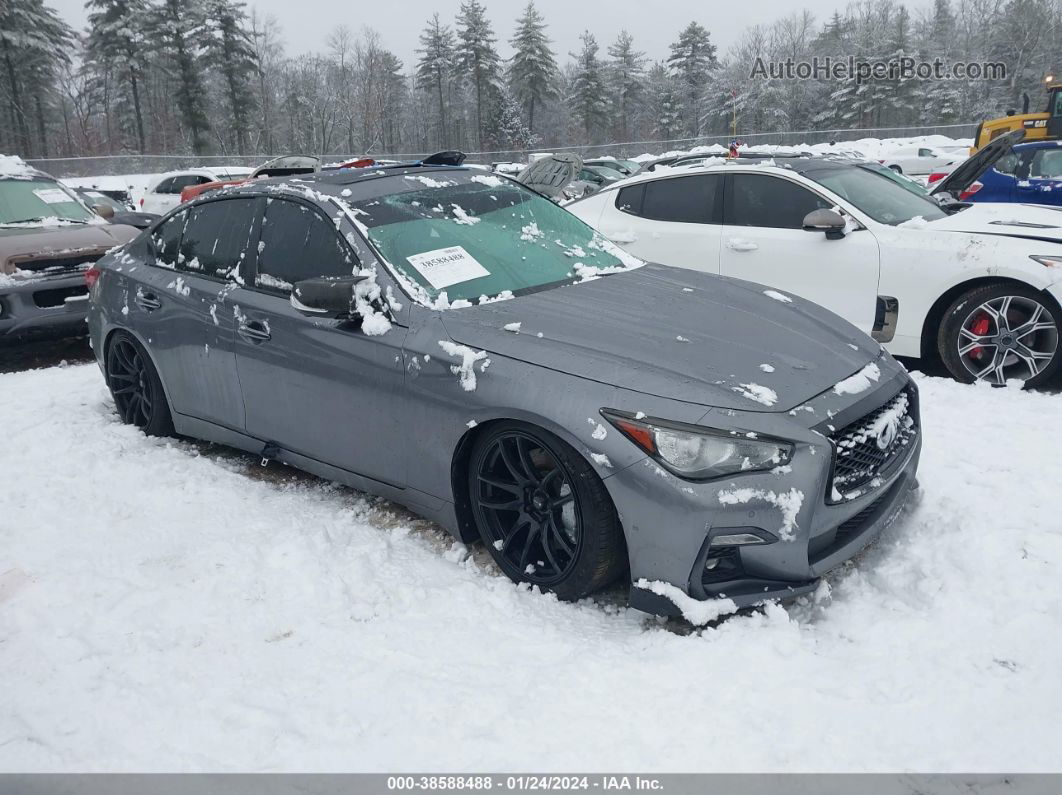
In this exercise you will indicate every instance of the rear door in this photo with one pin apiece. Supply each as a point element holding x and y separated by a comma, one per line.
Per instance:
<point>763,241</point>
<point>320,388</point>
<point>179,306</point>
<point>672,220</point>
<point>1044,182</point>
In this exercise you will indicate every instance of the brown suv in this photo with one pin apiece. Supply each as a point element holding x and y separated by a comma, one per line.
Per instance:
<point>48,239</point>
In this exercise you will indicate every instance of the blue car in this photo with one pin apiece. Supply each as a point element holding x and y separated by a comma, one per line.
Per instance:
<point>1030,173</point>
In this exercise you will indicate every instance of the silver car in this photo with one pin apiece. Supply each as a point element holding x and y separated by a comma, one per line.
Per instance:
<point>461,345</point>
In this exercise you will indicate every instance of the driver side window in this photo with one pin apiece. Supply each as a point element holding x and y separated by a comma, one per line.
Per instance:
<point>768,201</point>
<point>297,243</point>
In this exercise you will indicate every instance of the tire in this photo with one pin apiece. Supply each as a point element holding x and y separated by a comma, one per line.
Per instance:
<point>135,386</point>
<point>522,481</point>
<point>897,169</point>
<point>981,336</point>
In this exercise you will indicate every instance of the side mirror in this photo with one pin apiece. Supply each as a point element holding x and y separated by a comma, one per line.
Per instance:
<point>104,211</point>
<point>829,221</point>
<point>325,297</point>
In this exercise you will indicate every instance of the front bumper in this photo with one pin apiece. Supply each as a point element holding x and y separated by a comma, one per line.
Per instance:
<point>670,523</point>
<point>42,306</point>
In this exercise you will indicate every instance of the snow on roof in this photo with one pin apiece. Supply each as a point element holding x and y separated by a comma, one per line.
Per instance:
<point>14,166</point>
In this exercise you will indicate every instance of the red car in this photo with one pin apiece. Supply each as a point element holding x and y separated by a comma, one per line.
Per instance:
<point>285,166</point>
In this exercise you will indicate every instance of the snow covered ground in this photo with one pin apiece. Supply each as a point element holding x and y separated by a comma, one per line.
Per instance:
<point>165,606</point>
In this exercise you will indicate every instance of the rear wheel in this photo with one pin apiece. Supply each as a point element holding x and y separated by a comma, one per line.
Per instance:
<point>543,512</point>
<point>136,388</point>
<point>1001,332</point>
<point>897,169</point>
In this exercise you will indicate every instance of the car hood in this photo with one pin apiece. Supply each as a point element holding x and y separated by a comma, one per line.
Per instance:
<point>1033,221</point>
<point>677,334</point>
<point>21,244</point>
<point>967,172</point>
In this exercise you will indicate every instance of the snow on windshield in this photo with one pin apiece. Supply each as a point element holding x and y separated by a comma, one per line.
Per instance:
<point>464,239</point>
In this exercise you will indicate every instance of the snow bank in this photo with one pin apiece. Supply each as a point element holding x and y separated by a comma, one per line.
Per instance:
<point>164,607</point>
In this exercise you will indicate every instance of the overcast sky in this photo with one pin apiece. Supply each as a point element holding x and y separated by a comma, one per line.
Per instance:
<point>653,23</point>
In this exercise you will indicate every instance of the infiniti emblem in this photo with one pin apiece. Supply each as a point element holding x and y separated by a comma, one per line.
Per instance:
<point>887,435</point>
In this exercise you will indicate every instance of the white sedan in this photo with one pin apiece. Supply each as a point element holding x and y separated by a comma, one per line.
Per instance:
<point>979,288</point>
<point>920,160</point>
<point>165,192</point>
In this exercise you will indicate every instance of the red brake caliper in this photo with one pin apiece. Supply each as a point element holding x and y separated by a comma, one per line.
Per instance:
<point>980,327</point>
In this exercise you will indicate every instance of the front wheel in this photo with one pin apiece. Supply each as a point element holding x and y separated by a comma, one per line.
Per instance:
<point>543,512</point>
<point>1001,332</point>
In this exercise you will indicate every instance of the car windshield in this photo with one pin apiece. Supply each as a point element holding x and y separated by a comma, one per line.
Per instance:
<point>35,199</point>
<point>904,182</point>
<point>879,196</point>
<point>462,237</point>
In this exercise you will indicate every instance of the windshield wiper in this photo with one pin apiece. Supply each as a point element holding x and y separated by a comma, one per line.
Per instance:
<point>40,219</point>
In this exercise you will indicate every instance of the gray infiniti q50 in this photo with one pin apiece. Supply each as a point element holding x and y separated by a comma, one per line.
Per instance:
<point>459,344</point>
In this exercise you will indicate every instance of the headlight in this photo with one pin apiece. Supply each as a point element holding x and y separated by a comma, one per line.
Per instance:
<point>1050,260</point>
<point>697,453</point>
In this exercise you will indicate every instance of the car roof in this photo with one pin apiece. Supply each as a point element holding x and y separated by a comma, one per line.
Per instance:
<point>1037,145</point>
<point>778,164</point>
<point>334,182</point>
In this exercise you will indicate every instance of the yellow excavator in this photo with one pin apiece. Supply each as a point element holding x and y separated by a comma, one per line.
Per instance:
<point>1038,126</point>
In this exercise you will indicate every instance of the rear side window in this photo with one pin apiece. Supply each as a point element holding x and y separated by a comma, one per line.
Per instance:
<point>217,237</point>
<point>690,200</point>
<point>177,184</point>
<point>1047,163</point>
<point>297,243</point>
<point>767,201</point>
<point>166,240</point>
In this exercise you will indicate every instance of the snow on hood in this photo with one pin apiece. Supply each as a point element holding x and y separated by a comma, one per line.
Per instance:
<point>676,334</point>
<point>1016,220</point>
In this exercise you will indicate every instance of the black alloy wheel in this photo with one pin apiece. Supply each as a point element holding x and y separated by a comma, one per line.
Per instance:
<point>135,387</point>
<point>543,512</point>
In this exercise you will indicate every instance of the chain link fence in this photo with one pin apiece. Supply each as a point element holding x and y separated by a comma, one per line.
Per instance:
<point>107,165</point>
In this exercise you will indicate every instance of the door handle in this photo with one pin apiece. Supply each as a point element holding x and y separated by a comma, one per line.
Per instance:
<point>149,302</point>
<point>740,244</point>
<point>254,331</point>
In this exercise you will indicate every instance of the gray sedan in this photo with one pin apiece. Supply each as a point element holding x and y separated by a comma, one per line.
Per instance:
<point>463,346</point>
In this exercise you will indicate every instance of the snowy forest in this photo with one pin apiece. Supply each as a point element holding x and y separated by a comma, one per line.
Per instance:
<point>213,77</point>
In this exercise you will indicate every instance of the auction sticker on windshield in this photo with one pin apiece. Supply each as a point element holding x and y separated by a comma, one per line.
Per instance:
<point>52,196</point>
<point>446,266</point>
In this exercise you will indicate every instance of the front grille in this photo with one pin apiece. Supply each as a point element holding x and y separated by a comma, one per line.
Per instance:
<point>47,299</point>
<point>866,449</point>
<point>58,264</point>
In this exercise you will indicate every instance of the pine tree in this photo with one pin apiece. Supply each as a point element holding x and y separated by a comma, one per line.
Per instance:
<point>626,73</point>
<point>231,51</point>
<point>477,58</point>
<point>663,106</point>
<point>509,132</point>
<point>180,25</point>
<point>34,43</point>
<point>115,41</point>
<point>435,67</point>
<point>692,59</point>
<point>589,105</point>
<point>533,68</point>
